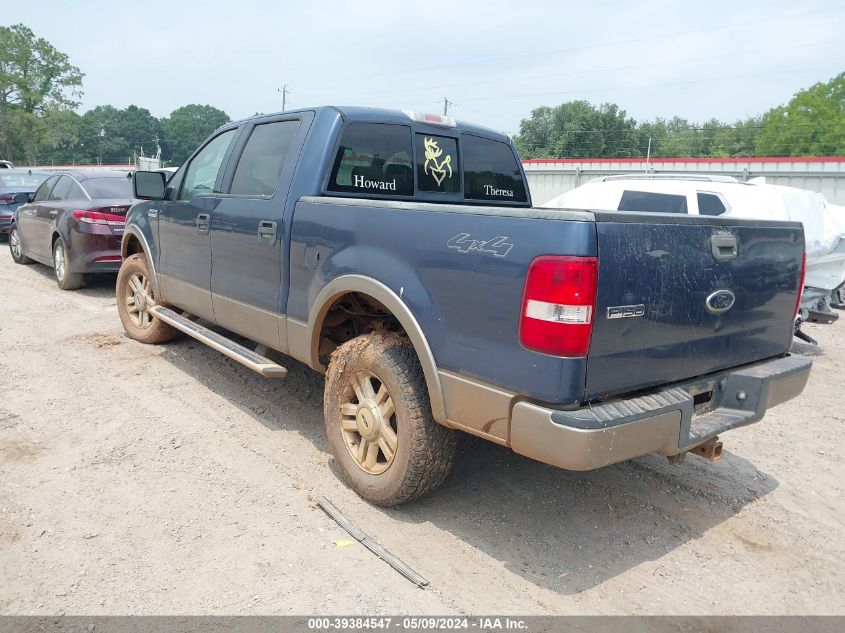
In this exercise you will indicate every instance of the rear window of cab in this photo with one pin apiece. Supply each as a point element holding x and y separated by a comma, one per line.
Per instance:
<point>389,160</point>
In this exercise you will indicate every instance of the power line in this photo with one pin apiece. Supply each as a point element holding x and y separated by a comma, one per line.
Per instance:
<point>639,86</point>
<point>593,71</point>
<point>649,38</point>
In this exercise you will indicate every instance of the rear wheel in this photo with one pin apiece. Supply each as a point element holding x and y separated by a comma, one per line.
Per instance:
<point>135,297</point>
<point>65,279</point>
<point>16,248</point>
<point>379,424</point>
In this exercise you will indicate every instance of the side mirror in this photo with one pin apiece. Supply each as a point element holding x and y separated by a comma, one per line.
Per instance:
<point>148,185</point>
<point>23,198</point>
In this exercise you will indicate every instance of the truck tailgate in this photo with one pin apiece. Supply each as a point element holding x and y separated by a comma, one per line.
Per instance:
<point>676,299</point>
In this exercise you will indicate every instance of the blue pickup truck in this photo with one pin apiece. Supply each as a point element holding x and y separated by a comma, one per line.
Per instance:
<point>399,254</point>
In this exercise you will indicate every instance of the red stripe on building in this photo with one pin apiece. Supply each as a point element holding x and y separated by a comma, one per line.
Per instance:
<point>750,159</point>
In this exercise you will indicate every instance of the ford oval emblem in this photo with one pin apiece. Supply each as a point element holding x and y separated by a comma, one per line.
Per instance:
<point>720,301</point>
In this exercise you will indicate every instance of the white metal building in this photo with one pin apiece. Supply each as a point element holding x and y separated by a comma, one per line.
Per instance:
<point>548,177</point>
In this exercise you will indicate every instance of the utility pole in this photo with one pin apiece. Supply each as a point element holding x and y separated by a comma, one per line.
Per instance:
<point>284,90</point>
<point>446,104</point>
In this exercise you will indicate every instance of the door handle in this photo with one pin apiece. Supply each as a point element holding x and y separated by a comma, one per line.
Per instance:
<point>267,231</point>
<point>723,247</point>
<point>203,221</point>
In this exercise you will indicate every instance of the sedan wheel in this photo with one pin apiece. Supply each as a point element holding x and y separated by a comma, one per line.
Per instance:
<point>16,248</point>
<point>59,261</point>
<point>66,279</point>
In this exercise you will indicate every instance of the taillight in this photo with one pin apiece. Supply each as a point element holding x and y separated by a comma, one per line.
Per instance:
<point>98,217</point>
<point>558,305</point>
<point>7,199</point>
<point>801,285</point>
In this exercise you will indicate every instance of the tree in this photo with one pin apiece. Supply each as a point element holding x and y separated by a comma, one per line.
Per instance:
<point>812,123</point>
<point>577,129</point>
<point>110,135</point>
<point>187,127</point>
<point>60,142</point>
<point>737,139</point>
<point>35,78</point>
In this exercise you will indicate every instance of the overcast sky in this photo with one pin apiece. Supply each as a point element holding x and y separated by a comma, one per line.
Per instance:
<point>495,60</point>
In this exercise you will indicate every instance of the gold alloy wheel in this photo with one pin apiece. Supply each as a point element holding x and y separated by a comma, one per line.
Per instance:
<point>368,424</point>
<point>139,299</point>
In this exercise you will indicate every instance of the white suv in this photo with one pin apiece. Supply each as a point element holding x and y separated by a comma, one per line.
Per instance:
<point>824,223</point>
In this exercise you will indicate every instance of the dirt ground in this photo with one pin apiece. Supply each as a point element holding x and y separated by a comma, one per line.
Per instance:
<point>169,480</point>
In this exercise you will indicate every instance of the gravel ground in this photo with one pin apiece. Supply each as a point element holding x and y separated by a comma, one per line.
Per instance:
<point>169,480</point>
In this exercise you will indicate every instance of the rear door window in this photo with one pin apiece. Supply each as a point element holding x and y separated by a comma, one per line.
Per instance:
<point>60,191</point>
<point>75,192</point>
<point>44,190</point>
<point>710,204</point>
<point>438,169</point>
<point>491,171</point>
<point>374,159</point>
<point>260,166</point>
<point>650,202</point>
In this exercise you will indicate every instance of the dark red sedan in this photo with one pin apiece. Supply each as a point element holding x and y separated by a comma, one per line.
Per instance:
<point>74,224</point>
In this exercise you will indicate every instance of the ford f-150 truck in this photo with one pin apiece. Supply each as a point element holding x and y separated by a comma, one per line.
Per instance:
<point>399,254</point>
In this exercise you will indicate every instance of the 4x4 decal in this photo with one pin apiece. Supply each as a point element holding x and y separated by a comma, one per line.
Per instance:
<point>498,246</point>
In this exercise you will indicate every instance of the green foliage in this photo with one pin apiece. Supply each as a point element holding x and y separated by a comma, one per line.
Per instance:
<point>187,127</point>
<point>110,135</point>
<point>40,88</point>
<point>35,79</point>
<point>811,124</point>
<point>576,129</point>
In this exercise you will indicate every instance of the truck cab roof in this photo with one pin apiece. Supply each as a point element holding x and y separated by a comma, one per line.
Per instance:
<point>365,114</point>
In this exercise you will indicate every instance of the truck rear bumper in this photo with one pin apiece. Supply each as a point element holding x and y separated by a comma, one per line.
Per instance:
<point>668,421</point>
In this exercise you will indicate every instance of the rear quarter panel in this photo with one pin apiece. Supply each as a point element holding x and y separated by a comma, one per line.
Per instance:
<point>467,301</point>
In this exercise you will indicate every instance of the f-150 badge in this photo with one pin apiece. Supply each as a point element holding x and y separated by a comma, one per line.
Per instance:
<point>497,246</point>
<point>436,170</point>
<point>626,312</point>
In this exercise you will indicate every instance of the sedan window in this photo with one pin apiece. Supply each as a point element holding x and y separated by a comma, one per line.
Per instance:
<point>44,190</point>
<point>60,191</point>
<point>118,188</point>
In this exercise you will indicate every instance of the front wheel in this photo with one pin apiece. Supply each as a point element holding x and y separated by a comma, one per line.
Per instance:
<point>16,248</point>
<point>135,296</point>
<point>65,279</point>
<point>379,424</point>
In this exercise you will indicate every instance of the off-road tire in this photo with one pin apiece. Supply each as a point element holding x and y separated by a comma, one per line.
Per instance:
<point>65,279</point>
<point>425,450</point>
<point>156,331</point>
<point>17,251</point>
